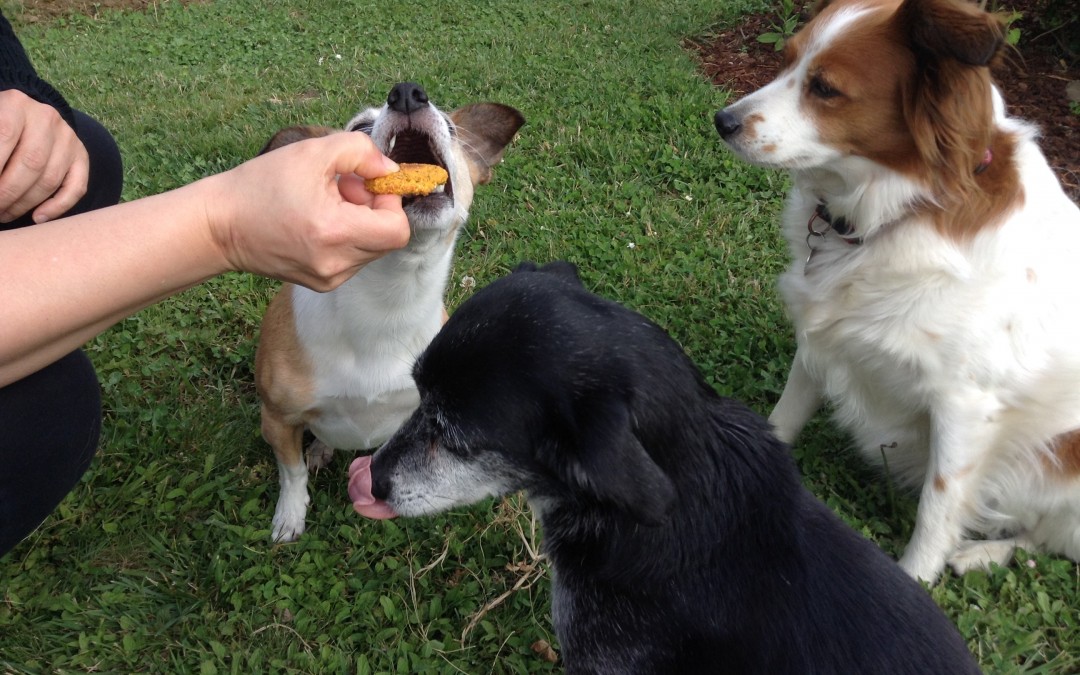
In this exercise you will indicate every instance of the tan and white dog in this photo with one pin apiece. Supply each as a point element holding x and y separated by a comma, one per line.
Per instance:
<point>935,275</point>
<point>340,363</point>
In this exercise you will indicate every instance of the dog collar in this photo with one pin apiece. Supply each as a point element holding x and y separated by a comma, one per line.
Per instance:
<point>843,228</point>
<point>840,225</point>
<point>816,235</point>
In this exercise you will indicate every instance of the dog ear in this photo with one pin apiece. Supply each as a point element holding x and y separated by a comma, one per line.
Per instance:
<point>613,466</point>
<point>559,268</point>
<point>293,134</point>
<point>564,269</point>
<point>949,106</point>
<point>485,130</point>
<point>958,30</point>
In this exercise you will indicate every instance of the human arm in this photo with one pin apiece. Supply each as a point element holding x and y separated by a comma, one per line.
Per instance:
<point>285,215</point>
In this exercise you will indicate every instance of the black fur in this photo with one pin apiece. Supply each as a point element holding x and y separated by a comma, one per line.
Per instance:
<point>681,538</point>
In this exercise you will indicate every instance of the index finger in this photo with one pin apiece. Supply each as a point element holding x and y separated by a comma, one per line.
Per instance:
<point>15,121</point>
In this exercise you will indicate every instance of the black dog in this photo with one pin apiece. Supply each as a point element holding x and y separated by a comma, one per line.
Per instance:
<point>681,538</point>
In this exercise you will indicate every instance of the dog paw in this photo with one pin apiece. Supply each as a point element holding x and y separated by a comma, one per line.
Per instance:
<point>286,532</point>
<point>289,517</point>
<point>287,527</point>
<point>921,568</point>
<point>978,555</point>
<point>319,455</point>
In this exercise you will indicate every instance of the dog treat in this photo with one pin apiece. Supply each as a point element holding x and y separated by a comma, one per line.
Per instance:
<point>414,180</point>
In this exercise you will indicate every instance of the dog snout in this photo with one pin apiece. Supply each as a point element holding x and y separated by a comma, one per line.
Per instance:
<point>727,124</point>
<point>407,97</point>
<point>380,477</point>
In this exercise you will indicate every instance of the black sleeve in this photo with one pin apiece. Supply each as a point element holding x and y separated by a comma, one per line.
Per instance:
<point>16,72</point>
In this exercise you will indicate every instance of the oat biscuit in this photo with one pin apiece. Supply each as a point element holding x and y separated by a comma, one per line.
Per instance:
<point>413,180</point>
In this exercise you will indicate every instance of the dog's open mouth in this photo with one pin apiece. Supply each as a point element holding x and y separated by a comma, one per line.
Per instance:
<point>412,145</point>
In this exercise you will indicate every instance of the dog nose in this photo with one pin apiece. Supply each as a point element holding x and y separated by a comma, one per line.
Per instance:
<point>407,97</point>
<point>726,123</point>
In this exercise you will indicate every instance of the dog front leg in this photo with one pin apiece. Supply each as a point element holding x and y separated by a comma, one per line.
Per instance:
<point>961,432</point>
<point>287,441</point>
<point>798,403</point>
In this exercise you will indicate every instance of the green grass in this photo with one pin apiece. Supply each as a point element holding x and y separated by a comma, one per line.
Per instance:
<point>160,560</point>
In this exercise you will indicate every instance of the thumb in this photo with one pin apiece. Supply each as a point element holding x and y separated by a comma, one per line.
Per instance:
<point>356,154</point>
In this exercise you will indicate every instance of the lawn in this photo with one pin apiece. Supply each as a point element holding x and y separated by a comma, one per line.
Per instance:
<point>160,560</point>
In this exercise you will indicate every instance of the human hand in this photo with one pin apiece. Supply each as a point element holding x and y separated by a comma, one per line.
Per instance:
<point>302,214</point>
<point>44,163</point>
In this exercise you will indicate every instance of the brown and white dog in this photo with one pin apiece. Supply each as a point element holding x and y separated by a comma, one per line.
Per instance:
<point>935,282</point>
<point>340,363</point>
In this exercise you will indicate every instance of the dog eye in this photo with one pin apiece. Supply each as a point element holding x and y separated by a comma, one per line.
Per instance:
<point>448,438</point>
<point>821,89</point>
<point>363,128</point>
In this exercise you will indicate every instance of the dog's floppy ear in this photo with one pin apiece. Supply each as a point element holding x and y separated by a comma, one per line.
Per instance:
<point>948,104</point>
<point>613,466</point>
<point>960,30</point>
<point>560,268</point>
<point>293,134</point>
<point>564,269</point>
<point>485,130</point>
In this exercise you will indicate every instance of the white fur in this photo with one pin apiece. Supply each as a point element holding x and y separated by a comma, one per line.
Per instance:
<point>964,354</point>
<point>440,480</point>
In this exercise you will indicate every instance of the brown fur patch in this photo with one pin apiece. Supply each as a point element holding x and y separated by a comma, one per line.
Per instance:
<point>995,194</point>
<point>750,125</point>
<point>864,115</point>
<point>283,378</point>
<point>1066,449</point>
<point>949,109</point>
<point>922,106</point>
<point>283,370</point>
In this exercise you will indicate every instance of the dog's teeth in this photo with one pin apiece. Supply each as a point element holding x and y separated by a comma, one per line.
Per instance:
<point>391,144</point>
<point>439,189</point>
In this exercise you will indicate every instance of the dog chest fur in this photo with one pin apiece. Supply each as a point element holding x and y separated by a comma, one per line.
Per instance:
<point>892,329</point>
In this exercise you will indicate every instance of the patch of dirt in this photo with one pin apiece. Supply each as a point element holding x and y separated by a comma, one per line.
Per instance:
<point>1033,80</point>
<point>34,11</point>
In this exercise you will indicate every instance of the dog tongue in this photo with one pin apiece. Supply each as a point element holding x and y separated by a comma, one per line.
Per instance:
<point>363,501</point>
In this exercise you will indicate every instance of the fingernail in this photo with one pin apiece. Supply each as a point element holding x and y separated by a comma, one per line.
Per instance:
<point>391,165</point>
<point>39,219</point>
